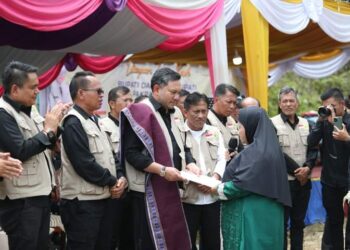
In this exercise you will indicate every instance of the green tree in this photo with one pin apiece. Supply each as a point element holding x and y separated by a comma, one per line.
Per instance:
<point>309,89</point>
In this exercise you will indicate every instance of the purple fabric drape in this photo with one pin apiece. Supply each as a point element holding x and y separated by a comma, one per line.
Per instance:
<point>116,5</point>
<point>164,209</point>
<point>24,38</point>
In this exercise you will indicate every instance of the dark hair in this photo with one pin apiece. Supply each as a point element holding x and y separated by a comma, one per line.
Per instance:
<point>163,76</point>
<point>79,81</point>
<point>194,98</point>
<point>116,92</point>
<point>222,88</point>
<point>140,98</point>
<point>286,90</point>
<point>347,102</point>
<point>183,92</point>
<point>16,73</point>
<point>332,92</point>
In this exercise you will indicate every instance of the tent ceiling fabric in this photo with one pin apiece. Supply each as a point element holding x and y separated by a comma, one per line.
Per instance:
<point>123,34</point>
<point>131,36</point>
<point>282,47</point>
<point>44,60</point>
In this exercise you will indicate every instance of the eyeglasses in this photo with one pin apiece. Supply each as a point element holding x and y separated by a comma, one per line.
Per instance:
<point>99,91</point>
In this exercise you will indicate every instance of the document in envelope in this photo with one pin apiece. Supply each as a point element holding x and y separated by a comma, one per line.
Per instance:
<point>201,179</point>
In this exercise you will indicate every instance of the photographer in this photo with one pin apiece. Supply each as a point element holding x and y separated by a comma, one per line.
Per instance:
<point>335,158</point>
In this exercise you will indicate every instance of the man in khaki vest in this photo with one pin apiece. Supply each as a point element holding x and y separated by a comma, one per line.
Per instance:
<point>220,115</point>
<point>154,155</point>
<point>90,175</point>
<point>292,132</point>
<point>118,98</point>
<point>119,210</point>
<point>206,145</point>
<point>24,200</point>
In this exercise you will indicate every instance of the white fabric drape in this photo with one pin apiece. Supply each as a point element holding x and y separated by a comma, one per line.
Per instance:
<point>310,69</point>
<point>180,4</point>
<point>231,8</point>
<point>286,17</point>
<point>336,25</point>
<point>291,18</point>
<point>219,51</point>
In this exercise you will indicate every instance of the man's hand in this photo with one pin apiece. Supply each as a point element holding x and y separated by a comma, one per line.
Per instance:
<point>341,134</point>
<point>346,198</point>
<point>54,116</point>
<point>9,167</point>
<point>172,174</point>
<point>302,174</point>
<point>55,194</point>
<point>214,190</point>
<point>192,167</point>
<point>216,176</point>
<point>118,189</point>
<point>204,189</point>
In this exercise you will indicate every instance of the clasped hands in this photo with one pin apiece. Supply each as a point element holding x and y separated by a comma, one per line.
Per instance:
<point>302,175</point>
<point>119,187</point>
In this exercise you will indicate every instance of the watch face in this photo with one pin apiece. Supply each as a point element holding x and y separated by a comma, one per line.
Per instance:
<point>51,136</point>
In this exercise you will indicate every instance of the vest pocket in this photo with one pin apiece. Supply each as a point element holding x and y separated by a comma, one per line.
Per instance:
<point>283,139</point>
<point>139,177</point>
<point>303,136</point>
<point>213,149</point>
<point>95,144</point>
<point>29,176</point>
<point>89,188</point>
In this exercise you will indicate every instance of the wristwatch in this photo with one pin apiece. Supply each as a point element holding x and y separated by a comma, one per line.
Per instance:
<point>51,136</point>
<point>162,171</point>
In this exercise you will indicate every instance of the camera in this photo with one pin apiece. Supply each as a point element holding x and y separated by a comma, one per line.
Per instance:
<point>324,111</point>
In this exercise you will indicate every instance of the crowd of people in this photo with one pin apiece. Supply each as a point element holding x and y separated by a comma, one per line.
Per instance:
<point>119,181</point>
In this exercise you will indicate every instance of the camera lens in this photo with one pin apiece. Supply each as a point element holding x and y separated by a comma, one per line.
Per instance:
<point>324,111</point>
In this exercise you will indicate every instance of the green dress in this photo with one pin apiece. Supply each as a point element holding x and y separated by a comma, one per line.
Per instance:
<point>250,221</point>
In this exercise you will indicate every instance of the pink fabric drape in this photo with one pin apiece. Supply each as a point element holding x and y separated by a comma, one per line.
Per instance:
<point>178,44</point>
<point>48,15</point>
<point>177,23</point>
<point>49,76</point>
<point>98,65</point>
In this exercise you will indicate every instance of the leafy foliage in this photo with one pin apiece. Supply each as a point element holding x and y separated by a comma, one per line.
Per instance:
<point>309,90</point>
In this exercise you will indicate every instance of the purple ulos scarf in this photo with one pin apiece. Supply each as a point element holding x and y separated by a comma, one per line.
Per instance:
<point>164,209</point>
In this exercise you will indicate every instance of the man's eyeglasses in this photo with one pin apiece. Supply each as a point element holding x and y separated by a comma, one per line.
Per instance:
<point>99,91</point>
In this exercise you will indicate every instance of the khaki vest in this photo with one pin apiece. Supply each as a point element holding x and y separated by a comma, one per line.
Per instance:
<point>74,186</point>
<point>228,130</point>
<point>209,145</point>
<point>293,142</point>
<point>109,126</point>
<point>37,176</point>
<point>135,177</point>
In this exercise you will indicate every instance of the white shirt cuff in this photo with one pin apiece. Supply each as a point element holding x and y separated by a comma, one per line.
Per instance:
<point>221,191</point>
